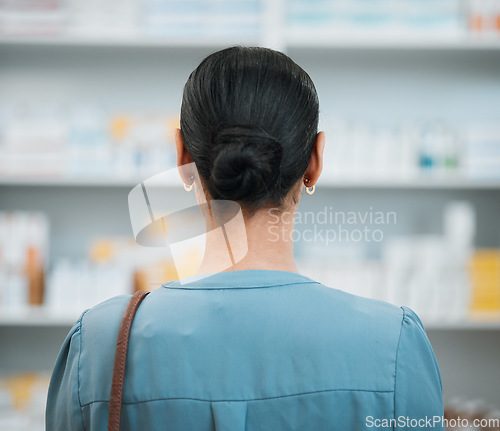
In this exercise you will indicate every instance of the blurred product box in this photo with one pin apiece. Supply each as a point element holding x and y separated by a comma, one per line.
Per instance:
<point>22,401</point>
<point>484,17</point>
<point>130,19</point>
<point>85,142</point>
<point>33,17</point>
<point>354,18</point>
<point>441,277</point>
<point>24,242</point>
<point>485,278</point>
<point>481,152</point>
<point>471,414</point>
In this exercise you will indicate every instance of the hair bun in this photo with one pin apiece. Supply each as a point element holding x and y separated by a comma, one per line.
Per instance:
<point>246,163</point>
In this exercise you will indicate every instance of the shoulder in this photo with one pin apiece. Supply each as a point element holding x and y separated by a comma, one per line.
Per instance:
<point>393,337</point>
<point>98,336</point>
<point>363,326</point>
<point>414,344</point>
<point>417,371</point>
<point>413,341</point>
<point>363,312</point>
<point>104,314</point>
<point>99,327</point>
<point>102,321</point>
<point>411,319</point>
<point>88,347</point>
<point>335,332</point>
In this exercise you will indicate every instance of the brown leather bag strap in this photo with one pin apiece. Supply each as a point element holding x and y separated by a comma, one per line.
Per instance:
<point>115,402</point>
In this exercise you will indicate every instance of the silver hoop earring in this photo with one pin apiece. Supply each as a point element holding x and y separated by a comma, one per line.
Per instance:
<point>190,187</point>
<point>310,190</point>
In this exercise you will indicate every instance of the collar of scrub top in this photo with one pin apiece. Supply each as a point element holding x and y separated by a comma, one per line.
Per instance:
<point>242,279</point>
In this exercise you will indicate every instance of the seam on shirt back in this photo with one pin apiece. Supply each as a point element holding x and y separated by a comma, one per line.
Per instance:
<point>78,369</point>
<point>396,362</point>
<point>240,287</point>
<point>245,399</point>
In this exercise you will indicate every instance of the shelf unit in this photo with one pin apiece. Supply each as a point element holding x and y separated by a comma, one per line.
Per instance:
<point>45,317</point>
<point>466,65</point>
<point>291,42</point>
<point>349,41</point>
<point>117,42</point>
<point>38,317</point>
<point>333,183</point>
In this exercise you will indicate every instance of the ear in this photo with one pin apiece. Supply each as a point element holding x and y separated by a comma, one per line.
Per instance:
<point>315,167</point>
<point>183,157</point>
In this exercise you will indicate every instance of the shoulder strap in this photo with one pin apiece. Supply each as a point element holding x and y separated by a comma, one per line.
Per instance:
<point>115,404</point>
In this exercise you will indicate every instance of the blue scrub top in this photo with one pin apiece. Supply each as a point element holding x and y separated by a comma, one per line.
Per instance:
<point>250,350</point>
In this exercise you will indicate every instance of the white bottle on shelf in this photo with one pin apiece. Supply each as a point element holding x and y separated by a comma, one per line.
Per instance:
<point>459,222</point>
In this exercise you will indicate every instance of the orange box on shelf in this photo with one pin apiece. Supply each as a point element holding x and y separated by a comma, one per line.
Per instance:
<point>484,270</point>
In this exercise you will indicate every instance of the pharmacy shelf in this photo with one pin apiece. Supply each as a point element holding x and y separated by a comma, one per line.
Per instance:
<point>123,41</point>
<point>43,317</point>
<point>409,183</point>
<point>465,43</point>
<point>71,182</point>
<point>354,183</point>
<point>427,183</point>
<point>38,316</point>
<point>307,40</point>
<point>476,321</point>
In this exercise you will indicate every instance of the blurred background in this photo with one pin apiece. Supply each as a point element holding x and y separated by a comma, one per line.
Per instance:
<point>407,210</point>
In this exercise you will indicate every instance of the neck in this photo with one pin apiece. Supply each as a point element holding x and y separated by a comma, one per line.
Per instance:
<point>268,236</point>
